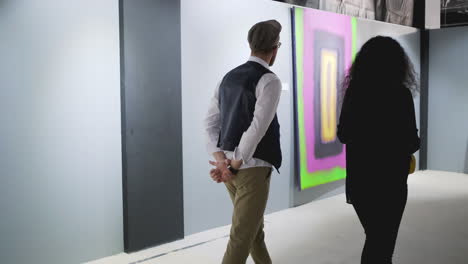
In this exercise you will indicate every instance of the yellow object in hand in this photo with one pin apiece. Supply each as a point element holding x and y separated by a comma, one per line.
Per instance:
<point>412,167</point>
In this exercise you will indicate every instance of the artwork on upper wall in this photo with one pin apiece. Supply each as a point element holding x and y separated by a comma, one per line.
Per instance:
<point>323,49</point>
<point>400,12</point>
<point>453,13</point>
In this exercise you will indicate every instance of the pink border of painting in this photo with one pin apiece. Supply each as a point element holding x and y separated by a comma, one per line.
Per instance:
<point>339,25</point>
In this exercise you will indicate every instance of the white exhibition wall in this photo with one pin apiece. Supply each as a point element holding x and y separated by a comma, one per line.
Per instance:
<point>61,180</point>
<point>214,40</point>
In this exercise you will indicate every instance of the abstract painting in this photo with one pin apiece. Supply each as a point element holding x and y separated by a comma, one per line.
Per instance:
<point>324,46</point>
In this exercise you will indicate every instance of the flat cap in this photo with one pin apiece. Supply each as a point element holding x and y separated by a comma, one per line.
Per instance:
<point>264,35</point>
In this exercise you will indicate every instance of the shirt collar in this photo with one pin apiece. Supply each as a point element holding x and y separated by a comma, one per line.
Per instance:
<point>260,61</point>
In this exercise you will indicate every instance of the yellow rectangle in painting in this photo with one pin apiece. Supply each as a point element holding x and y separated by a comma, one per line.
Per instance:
<point>328,93</point>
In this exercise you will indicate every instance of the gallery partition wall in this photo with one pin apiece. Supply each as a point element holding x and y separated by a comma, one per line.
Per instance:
<point>424,98</point>
<point>448,100</point>
<point>60,144</point>
<point>151,122</point>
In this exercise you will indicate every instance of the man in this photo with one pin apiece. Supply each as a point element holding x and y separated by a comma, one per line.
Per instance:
<point>243,136</point>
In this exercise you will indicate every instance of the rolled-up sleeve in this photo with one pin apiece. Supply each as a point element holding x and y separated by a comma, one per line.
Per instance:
<point>212,124</point>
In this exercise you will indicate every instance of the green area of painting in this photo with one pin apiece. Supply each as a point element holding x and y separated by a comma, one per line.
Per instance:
<point>354,37</point>
<point>320,177</point>
<point>299,24</point>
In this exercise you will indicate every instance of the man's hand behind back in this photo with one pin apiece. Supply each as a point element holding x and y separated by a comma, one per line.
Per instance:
<point>221,173</point>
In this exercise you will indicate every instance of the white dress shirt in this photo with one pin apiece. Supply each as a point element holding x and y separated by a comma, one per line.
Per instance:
<point>268,92</point>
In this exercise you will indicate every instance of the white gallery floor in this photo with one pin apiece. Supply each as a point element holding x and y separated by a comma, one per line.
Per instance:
<point>434,231</point>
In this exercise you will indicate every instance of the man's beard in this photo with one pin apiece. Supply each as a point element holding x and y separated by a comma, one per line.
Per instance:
<point>272,61</point>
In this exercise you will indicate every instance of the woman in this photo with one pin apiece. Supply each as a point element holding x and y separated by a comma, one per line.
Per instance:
<point>378,126</point>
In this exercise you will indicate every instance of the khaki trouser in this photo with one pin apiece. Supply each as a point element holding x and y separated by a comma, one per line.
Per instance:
<point>249,194</point>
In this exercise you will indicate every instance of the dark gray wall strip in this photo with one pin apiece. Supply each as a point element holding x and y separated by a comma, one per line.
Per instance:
<point>151,122</point>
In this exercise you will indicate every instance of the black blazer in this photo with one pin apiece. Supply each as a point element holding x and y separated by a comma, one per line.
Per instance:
<point>379,129</point>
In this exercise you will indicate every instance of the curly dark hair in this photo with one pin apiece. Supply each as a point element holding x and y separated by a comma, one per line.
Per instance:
<point>382,62</point>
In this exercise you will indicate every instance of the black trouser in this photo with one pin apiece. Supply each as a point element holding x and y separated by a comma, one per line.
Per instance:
<point>380,215</point>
